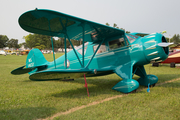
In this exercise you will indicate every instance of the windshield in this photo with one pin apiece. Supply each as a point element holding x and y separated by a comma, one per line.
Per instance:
<point>131,38</point>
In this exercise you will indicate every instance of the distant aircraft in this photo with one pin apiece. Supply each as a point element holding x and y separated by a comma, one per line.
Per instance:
<point>104,50</point>
<point>172,59</point>
<point>2,52</point>
<point>25,52</point>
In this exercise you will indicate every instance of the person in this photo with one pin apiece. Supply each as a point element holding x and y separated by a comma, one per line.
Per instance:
<point>99,51</point>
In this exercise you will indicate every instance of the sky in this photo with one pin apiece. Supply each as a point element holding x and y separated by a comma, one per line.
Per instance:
<point>146,16</point>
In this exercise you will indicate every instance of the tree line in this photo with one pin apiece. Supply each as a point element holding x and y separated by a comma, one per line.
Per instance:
<point>36,41</point>
<point>44,42</point>
<point>5,42</point>
<point>175,39</point>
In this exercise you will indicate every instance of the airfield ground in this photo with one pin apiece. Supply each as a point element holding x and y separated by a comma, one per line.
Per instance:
<point>21,98</point>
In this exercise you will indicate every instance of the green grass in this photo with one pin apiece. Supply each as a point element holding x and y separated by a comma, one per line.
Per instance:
<point>21,98</point>
<point>162,103</point>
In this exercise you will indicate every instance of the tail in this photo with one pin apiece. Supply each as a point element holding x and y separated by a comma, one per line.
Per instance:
<point>35,59</point>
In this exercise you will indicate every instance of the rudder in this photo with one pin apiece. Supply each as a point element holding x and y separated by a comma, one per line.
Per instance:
<point>35,62</point>
<point>35,58</point>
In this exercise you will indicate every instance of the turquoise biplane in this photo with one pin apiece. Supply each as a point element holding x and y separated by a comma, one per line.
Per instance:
<point>104,50</point>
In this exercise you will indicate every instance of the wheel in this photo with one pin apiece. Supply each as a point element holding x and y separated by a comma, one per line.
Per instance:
<point>172,65</point>
<point>134,91</point>
<point>155,64</point>
<point>153,85</point>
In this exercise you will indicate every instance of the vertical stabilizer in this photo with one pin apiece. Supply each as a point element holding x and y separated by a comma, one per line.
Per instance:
<point>35,58</point>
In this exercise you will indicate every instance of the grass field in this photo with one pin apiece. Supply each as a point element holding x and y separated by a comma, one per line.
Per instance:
<point>21,98</point>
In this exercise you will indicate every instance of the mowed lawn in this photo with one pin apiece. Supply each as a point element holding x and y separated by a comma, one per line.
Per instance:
<point>21,98</point>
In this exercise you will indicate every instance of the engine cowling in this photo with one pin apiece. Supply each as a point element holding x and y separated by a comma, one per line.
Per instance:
<point>152,51</point>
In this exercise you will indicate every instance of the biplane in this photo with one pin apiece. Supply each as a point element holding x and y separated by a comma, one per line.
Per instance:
<point>104,50</point>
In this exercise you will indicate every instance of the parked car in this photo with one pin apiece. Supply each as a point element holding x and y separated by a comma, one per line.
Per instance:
<point>2,52</point>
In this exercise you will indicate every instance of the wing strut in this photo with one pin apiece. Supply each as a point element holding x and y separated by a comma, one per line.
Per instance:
<point>66,35</point>
<point>74,50</point>
<point>52,46</point>
<point>64,29</point>
<point>83,47</point>
<point>65,51</point>
<point>94,54</point>
<point>53,52</point>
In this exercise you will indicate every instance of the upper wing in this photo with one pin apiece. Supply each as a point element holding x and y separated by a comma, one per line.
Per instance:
<point>140,34</point>
<point>52,23</point>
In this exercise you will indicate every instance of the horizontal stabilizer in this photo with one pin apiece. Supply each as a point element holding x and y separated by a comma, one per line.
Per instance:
<point>21,70</point>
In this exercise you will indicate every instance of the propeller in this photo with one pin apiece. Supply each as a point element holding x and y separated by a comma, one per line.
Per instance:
<point>164,44</point>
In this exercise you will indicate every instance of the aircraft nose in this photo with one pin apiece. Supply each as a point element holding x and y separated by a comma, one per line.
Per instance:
<point>153,51</point>
<point>164,45</point>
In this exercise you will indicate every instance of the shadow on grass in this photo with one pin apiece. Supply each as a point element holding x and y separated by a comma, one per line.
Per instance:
<point>99,85</point>
<point>95,88</point>
<point>103,86</point>
<point>167,77</point>
<point>29,113</point>
<point>170,85</point>
<point>27,80</point>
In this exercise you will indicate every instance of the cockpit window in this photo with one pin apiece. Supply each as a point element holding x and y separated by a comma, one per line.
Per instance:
<point>131,38</point>
<point>116,43</point>
<point>101,49</point>
<point>79,48</point>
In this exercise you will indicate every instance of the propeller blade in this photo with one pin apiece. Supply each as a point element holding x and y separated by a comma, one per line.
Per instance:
<point>164,44</point>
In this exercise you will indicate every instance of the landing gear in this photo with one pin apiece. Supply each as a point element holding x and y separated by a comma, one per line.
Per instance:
<point>155,64</point>
<point>134,91</point>
<point>149,79</point>
<point>126,86</point>
<point>153,85</point>
<point>172,65</point>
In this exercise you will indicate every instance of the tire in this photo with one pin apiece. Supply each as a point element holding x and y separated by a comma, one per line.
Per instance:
<point>172,65</point>
<point>155,64</point>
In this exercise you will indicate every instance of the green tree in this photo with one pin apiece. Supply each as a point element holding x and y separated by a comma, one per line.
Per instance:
<point>24,43</point>
<point>107,24</point>
<point>13,43</point>
<point>176,39</point>
<point>115,25</point>
<point>60,43</point>
<point>3,41</point>
<point>30,41</point>
<point>41,47</point>
<point>33,39</point>
<point>128,32</point>
<point>44,42</point>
